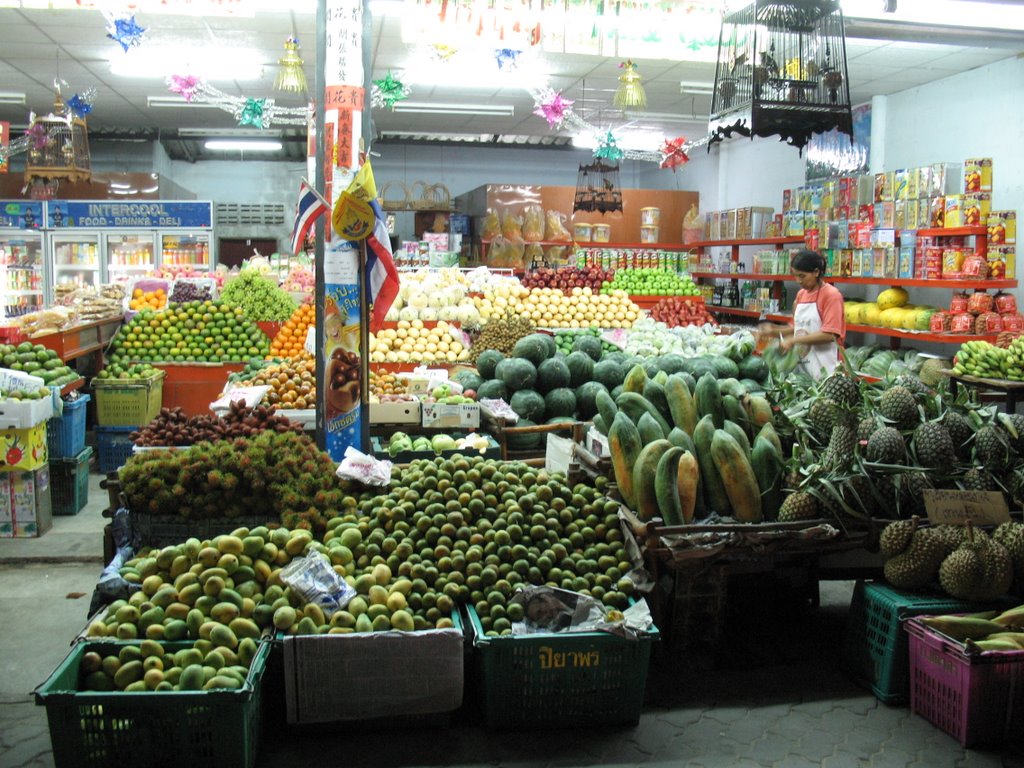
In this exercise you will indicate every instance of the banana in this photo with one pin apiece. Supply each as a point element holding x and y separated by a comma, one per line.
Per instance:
<point>961,627</point>
<point>1011,618</point>
<point>1013,637</point>
<point>980,646</point>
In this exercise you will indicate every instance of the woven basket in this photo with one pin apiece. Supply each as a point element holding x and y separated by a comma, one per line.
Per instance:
<point>419,197</point>
<point>389,199</point>
<point>439,197</point>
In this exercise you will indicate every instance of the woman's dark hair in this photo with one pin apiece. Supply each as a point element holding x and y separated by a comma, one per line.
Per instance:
<point>806,260</point>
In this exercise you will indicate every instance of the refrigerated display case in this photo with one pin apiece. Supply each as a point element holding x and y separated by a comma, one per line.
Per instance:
<point>22,266</point>
<point>186,251</point>
<point>128,256</point>
<point>75,259</point>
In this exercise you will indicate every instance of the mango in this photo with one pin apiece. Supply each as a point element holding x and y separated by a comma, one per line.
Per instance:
<point>314,612</point>
<point>129,653</point>
<point>126,632</point>
<point>378,595</point>
<point>229,562</point>
<point>191,548</point>
<point>351,537</point>
<point>139,686</point>
<point>175,630</point>
<point>153,678</point>
<point>213,586</point>
<point>208,556</point>
<point>377,609</point>
<point>307,626</point>
<point>381,574</point>
<point>205,604</point>
<point>222,681</point>
<point>110,665</point>
<point>172,676</point>
<point>402,620</point>
<point>229,545</point>
<point>247,648</point>
<point>363,583</point>
<point>243,574</point>
<point>187,656</point>
<point>179,567</point>
<point>343,619</point>
<point>185,579</point>
<point>203,646</point>
<point>245,628</point>
<point>260,531</point>
<point>252,546</point>
<point>381,624</point>
<point>340,631</point>
<point>221,635</point>
<point>151,584</point>
<point>214,659</point>
<point>98,681</point>
<point>296,545</point>
<point>357,606</point>
<point>152,616</point>
<point>191,678</point>
<point>176,612</point>
<point>149,648</point>
<point>284,617</point>
<point>403,586</point>
<point>363,623</point>
<point>154,632</point>
<point>127,614</point>
<point>248,607</point>
<point>229,595</point>
<point>165,596</point>
<point>128,674</point>
<point>262,570</point>
<point>190,593</point>
<point>396,602</point>
<point>225,612</point>
<point>263,615</point>
<point>194,621</point>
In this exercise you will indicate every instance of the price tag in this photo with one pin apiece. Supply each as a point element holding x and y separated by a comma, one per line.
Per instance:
<point>310,344</point>
<point>959,507</point>
<point>248,396</point>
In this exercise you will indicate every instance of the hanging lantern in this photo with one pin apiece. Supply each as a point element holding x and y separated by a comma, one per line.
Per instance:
<point>61,150</point>
<point>290,77</point>
<point>597,188</point>
<point>630,93</point>
<point>781,71</point>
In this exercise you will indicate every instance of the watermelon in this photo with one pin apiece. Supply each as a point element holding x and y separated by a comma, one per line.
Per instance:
<point>753,367</point>
<point>468,379</point>
<point>581,368</point>
<point>487,361</point>
<point>608,373</point>
<point>517,373</point>
<point>671,363</point>
<point>535,348</point>
<point>524,442</point>
<point>725,368</point>
<point>559,402</point>
<point>528,405</point>
<point>586,399</point>
<point>492,389</point>
<point>552,374</point>
<point>589,344</point>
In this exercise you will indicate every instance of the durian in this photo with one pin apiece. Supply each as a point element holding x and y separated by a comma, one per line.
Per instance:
<point>980,569</point>
<point>917,565</point>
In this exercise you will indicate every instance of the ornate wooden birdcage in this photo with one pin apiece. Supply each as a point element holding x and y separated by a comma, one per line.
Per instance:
<point>597,188</point>
<point>781,70</point>
<point>60,151</point>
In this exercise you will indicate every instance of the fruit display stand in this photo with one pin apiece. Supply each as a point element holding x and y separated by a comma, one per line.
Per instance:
<point>193,386</point>
<point>1002,389</point>
<point>199,728</point>
<point>511,437</point>
<point>978,699</point>
<point>380,450</point>
<point>559,679</point>
<point>81,340</point>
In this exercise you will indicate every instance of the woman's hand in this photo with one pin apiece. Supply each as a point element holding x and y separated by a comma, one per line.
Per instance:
<point>787,343</point>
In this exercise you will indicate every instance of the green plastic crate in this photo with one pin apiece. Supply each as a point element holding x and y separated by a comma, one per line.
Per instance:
<point>69,483</point>
<point>128,402</point>
<point>558,680</point>
<point>194,728</point>
<point>875,648</point>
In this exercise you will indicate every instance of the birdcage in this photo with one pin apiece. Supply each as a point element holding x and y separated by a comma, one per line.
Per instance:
<point>781,70</point>
<point>597,188</point>
<point>61,152</point>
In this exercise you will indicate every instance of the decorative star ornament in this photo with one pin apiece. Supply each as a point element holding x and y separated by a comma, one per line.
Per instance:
<point>387,91</point>
<point>441,52</point>
<point>674,151</point>
<point>608,148</point>
<point>254,112</point>
<point>507,59</point>
<point>553,107</point>
<point>186,86</point>
<point>125,32</point>
<point>81,103</point>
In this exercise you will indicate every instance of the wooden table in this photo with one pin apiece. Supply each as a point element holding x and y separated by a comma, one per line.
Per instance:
<point>81,340</point>
<point>1005,389</point>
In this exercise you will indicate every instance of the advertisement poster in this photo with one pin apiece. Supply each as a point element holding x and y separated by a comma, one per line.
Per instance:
<point>832,153</point>
<point>5,141</point>
<point>342,395</point>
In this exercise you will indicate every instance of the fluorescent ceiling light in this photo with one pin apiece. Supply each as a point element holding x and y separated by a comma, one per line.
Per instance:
<point>243,145</point>
<point>429,108</point>
<point>210,62</point>
<point>176,102</point>
<point>696,86</point>
<point>10,97</point>
<point>951,13</point>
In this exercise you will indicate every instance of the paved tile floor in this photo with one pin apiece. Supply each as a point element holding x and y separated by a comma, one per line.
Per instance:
<point>772,695</point>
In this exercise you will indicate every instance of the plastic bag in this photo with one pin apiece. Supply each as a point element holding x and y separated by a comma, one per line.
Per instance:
<point>111,586</point>
<point>556,231</point>
<point>988,322</point>
<point>958,303</point>
<point>1006,303</point>
<point>364,469</point>
<point>492,226</point>
<point>979,302</point>
<point>533,224</point>
<point>314,580</point>
<point>512,226</point>
<point>939,322</point>
<point>555,256</point>
<point>533,255</point>
<point>1013,322</point>
<point>962,323</point>
<point>975,266</point>
<point>506,253</point>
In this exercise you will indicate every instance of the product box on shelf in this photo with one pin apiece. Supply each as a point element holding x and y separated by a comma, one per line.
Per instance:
<point>924,181</point>
<point>23,449</point>
<point>406,412</point>
<point>901,184</point>
<point>954,211</point>
<point>22,414</point>
<point>945,179</point>
<point>25,506</point>
<point>884,187</point>
<point>465,416</point>
<point>373,675</point>
<point>900,214</point>
<point>1002,227</point>
<point>1002,261</point>
<point>976,208</point>
<point>978,174</point>
<point>937,212</point>
<point>907,262</point>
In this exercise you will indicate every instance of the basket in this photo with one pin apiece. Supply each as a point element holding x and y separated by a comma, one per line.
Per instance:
<point>115,446</point>
<point>165,530</point>
<point>128,402</point>
<point>65,435</point>
<point>69,483</point>
<point>875,645</point>
<point>558,680</point>
<point>436,197</point>
<point>976,699</point>
<point>419,196</point>
<point>194,728</point>
<point>389,201</point>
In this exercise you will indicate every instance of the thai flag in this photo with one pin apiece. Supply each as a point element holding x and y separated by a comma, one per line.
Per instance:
<point>381,275</point>
<point>311,207</point>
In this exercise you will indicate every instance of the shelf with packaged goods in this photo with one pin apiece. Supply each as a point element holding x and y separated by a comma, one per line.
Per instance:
<point>953,232</point>
<point>574,245</point>
<point>940,283</point>
<point>740,276</point>
<point>778,242</point>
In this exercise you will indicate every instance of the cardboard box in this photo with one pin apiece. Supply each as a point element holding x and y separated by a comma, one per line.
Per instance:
<point>25,507</point>
<point>1002,261</point>
<point>976,208</point>
<point>901,184</point>
<point>19,381</point>
<point>884,187</point>
<point>945,179</point>
<point>22,414</point>
<point>23,449</point>
<point>463,416</point>
<point>380,450</point>
<point>906,269</point>
<point>885,215</point>
<point>954,211</point>
<point>937,212</point>
<point>900,213</point>
<point>395,413</point>
<point>978,174</point>
<point>1002,228</point>
<point>331,678</point>
<point>924,181</point>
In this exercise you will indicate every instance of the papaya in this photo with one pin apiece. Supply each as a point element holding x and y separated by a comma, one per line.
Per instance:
<point>624,445</point>
<point>606,408</point>
<point>681,404</point>
<point>644,477</point>
<point>738,435</point>
<point>715,497</point>
<point>666,490</point>
<point>679,437</point>
<point>636,405</point>
<point>732,386</point>
<point>709,400</point>
<point>688,486</point>
<point>737,477</point>
<point>655,394</point>
<point>768,432</point>
<point>635,380</point>
<point>600,424</point>
<point>735,413</point>
<point>649,429</point>
<point>768,469</point>
<point>759,410</point>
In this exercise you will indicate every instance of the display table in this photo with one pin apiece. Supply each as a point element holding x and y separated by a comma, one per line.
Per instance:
<point>998,389</point>
<point>81,340</point>
<point>193,386</point>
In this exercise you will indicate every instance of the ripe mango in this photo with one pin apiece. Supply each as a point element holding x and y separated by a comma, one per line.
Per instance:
<point>205,604</point>
<point>154,632</point>
<point>351,537</point>
<point>357,606</point>
<point>381,574</point>
<point>127,614</point>
<point>152,616</point>
<point>128,674</point>
<point>97,629</point>
<point>151,584</point>
<point>343,619</point>
<point>363,583</point>
<point>175,630</point>
<point>340,631</point>
<point>296,545</point>
<point>244,628</point>
<point>222,681</point>
<point>314,612</point>
<point>225,612</point>
<point>228,595</point>
<point>110,665</point>
<point>247,648</point>
<point>173,676</point>
<point>191,678</point>
<point>307,626</point>
<point>165,596</point>
<point>213,586</point>
<point>229,656</point>
<point>248,607</point>
<point>189,594</point>
<point>363,623</point>
<point>153,678</point>
<point>381,624</point>
<point>262,570</point>
<point>229,562</point>
<point>149,648</point>
<point>229,545</point>
<point>126,632</point>
<point>214,659</point>
<point>404,586</point>
<point>176,611</point>
<point>402,620</point>
<point>378,595</point>
<point>377,609</point>
<point>187,656</point>
<point>179,566</point>
<point>208,556</point>
<point>284,617</point>
<point>221,635</point>
<point>191,548</point>
<point>203,646</point>
<point>194,621</point>
<point>396,602</point>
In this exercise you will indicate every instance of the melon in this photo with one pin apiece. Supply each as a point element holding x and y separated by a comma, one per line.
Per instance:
<point>892,297</point>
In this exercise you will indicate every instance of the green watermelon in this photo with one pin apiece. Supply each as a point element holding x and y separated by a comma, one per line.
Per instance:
<point>537,347</point>
<point>581,368</point>
<point>524,442</point>
<point>609,373</point>
<point>589,344</point>
<point>559,402</point>
<point>517,373</point>
<point>586,399</point>
<point>753,367</point>
<point>487,361</point>
<point>552,374</point>
<point>493,389</point>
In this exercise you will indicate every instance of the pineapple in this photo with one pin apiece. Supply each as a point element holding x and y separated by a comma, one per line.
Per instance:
<point>992,448</point>
<point>934,446</point>
<point>898,406</point>
<point>841,445</point>
<point>887,446</point>
<point>866,427</point>
<point>799,505</point>
<point>822,416</point>
<point>960,431</point>
<point>911,498</point>
<point>976,479</point>
<point>840,389</point>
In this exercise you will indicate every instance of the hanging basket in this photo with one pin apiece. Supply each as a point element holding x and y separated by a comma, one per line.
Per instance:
<point>390,199</point>
<point>438,197</point>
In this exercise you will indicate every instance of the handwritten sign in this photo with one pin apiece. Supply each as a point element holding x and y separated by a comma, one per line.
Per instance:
<point>959,507</point>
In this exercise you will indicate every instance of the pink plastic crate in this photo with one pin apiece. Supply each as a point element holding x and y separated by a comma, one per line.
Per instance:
<point>976,699</point>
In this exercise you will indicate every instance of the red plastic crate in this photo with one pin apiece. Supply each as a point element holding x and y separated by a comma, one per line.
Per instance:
<point>976,699</point>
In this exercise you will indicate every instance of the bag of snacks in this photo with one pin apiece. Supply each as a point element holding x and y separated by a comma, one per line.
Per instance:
<point>492,225</point>
<point>533,224</point>
<point>1013,322</point>
<point>979,302</point>
<point>988,322</point>
<point>962,323</point>
<point>556,231</point>
<point>952,263</point>
<point>958,303</point>
<point>1005,303</point>
<point>939,322</point>
<point>512,226</point>
<point>975,266</point>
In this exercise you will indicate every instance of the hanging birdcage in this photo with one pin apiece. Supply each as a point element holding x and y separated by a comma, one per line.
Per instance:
<point>781,71</point>
<point>597,188</point>
<point>61,152</point>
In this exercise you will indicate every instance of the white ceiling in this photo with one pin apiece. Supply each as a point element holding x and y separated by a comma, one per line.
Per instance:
<point>38,45</point>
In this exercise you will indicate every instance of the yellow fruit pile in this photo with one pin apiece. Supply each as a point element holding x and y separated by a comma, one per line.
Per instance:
<point>292,382</point>
<point>156,299</point>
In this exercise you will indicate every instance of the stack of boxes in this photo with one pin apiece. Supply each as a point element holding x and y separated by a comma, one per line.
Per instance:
<point>25,509</point>
<point>746,223</point>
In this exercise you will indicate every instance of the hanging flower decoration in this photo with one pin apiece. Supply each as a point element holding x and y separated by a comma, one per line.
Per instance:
<point>185,86</point>
<point>252,113</point>
<point>81,103</point>
<point>630,93</point>
<point>608,148</point>
<point>674,151</point>
<point>553,107</point>
<point>37,133</point>
<point>507,59</point>
<point>387,91</point>
<point>124,31</point>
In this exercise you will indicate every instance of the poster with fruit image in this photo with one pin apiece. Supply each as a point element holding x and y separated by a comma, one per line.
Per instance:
<point>342,391</point>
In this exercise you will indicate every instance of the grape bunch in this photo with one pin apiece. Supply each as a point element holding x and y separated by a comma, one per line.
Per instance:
<point>190,292</point>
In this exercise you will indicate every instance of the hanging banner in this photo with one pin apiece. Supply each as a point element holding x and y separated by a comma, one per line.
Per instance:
<point>342,319</point>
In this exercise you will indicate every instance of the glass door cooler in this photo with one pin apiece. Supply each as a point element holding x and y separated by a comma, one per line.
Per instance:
<point>76,260</point>
<point>186,251</point>
<point>129,255</point>
<point>22,266</point>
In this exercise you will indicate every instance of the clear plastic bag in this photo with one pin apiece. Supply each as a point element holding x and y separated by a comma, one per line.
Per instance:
<point>555,229</point>
<point>492,225</point>
<point>512,226</point>
<point>314,580</point>
<point>533,224</point>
